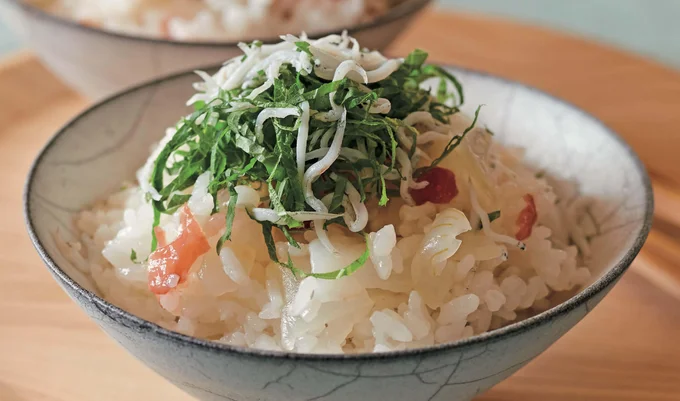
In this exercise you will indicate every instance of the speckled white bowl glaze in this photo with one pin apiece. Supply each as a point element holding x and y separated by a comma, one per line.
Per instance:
<point>98,63</point>
<point>95,152</point>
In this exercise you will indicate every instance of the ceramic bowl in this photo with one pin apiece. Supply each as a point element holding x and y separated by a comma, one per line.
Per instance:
<point>94,153</point>
<point>98,63</point>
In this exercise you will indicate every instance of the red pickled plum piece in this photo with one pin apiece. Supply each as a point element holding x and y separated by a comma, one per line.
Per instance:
<point>441,189</point>
<point>169,265</point>
<point>526,218</point>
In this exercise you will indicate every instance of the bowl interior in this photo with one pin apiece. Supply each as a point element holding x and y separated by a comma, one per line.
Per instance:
<point>90,158</point>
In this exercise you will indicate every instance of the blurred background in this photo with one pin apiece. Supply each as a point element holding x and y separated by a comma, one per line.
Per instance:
<point>646,27</point>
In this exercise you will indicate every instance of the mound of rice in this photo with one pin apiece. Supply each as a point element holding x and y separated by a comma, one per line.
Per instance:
<point>433,276</point>
<point>218,20</point>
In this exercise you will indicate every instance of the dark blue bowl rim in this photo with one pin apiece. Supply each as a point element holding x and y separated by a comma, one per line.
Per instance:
<point>127,319</point>
<point>397,12</point>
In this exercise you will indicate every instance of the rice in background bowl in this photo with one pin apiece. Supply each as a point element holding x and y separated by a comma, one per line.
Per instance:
<point>97,62</point>
<point>217,20</point>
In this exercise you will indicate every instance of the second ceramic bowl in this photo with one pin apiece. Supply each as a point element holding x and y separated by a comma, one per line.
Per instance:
<point>98,63</point>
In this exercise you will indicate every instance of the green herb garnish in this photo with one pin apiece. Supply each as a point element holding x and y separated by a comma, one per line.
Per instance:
<point>492,216</point>
<point>220,136</point>
<point>455,141</point>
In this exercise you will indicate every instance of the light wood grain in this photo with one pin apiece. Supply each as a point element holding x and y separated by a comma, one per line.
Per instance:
<point>666,201</point>
<point>660,271</point>
<point>625,350</point>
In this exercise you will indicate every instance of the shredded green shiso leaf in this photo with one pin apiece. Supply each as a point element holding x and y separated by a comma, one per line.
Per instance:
<point>496,214</point>
<point>223,139</point>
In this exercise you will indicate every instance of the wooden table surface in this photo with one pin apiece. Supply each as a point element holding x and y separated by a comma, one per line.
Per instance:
<point>626,349</point>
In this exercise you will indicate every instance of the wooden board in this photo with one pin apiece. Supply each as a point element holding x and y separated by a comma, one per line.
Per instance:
<point>627,349</point>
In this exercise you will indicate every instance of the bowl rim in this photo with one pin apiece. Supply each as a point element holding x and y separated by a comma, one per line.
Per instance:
<point>408,7</point>
<point>121,316</point>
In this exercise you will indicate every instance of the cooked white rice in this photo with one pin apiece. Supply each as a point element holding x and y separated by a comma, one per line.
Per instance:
<point>217,20</point>
<point>436,273</point>
<point>241,298</point>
